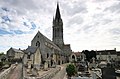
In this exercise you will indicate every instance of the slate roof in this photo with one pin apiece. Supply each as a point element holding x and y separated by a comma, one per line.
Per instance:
<point>67,46</point>
<point>77,54</point>
<point>17,50</point>
<point>31,49</point>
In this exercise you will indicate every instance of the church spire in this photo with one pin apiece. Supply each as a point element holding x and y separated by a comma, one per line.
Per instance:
<point>58,29</point>
<point>57,16</point>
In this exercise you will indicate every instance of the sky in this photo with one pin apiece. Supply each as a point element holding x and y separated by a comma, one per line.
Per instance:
<point>88,24</point>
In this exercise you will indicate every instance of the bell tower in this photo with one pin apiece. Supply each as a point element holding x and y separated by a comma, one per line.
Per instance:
<point>58,29</point>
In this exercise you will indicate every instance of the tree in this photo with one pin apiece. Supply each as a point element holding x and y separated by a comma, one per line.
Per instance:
<point>93,54</point>
<point>71,70</point>
<point>2,53</point>
<point>89,54</point>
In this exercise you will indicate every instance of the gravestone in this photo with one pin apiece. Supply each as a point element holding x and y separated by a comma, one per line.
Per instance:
<point>108,73</point>
<point>45,65</point>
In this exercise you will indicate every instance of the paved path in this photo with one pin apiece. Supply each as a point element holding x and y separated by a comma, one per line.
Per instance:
<point>16,73</point>
<point>62,73</point>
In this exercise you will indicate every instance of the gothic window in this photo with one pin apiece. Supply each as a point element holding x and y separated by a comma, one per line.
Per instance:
<point>58,31</point>
<point>47,55</point>
<point>73,57</point>
<point>28,57</point>
<point>38,44</point>
<point>38,36</point>
<point>51,55</point>
<point>55,32</point>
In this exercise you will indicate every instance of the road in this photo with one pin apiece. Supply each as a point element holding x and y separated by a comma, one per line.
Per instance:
<point>61,73</point>
<point>16,73</point>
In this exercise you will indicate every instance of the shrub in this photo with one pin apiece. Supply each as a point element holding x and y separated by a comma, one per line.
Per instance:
<point>71,70</point>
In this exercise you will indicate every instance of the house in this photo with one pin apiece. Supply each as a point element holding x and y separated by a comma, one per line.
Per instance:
<point>14,54</point>
<point>118,55</point>
<point>106,55</point>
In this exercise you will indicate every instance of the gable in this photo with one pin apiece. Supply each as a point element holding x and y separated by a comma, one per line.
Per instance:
<point>10,52</point>
<point>43,40</point>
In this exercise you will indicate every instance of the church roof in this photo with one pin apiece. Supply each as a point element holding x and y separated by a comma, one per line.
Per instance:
<point>31,49</point>
<point>67,46</point>
<point>49,41</point>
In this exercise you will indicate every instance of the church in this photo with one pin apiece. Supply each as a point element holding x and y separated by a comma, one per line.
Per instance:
<point>46,53</point>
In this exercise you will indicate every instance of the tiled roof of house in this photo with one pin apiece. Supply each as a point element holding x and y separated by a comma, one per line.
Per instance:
<point>77,54</point>
<point>118,53</point>
<point>106,52</point>
<point>16,50</point>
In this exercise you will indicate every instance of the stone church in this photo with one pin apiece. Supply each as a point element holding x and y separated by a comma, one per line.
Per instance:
<point>46,53</point>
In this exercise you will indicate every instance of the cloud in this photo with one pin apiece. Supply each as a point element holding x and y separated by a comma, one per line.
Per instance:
<point>21,6</point>
<point>4,32</point>
<point>92,24</point>
<point>76,19</point>
<point>114,8</point>
<point>115,31</point>
<point>74,7</point>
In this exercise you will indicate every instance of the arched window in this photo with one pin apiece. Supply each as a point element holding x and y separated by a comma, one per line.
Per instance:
<point>28,57</point>
<point>73,57</point>
<point>38,44</point>
<point>47,55</point>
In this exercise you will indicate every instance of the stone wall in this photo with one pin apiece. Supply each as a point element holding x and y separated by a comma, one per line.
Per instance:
<point>49,75</point>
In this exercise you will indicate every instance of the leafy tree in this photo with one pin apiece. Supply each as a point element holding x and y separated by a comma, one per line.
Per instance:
<point>93,54</point>
<point>1,65</point>
<point>71,70</point>
<point>2,53</point>
<point>89,54</point>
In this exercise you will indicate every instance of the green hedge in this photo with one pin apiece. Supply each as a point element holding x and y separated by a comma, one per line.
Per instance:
<point>71,70</point>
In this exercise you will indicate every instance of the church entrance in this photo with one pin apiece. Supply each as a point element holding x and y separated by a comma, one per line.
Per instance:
<point>51,62</point>
<point>73,57</point>
<point>58,62</point>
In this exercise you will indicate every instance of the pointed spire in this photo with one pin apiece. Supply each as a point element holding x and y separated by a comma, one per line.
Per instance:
<point>57,16</point>
<point>53,18</point>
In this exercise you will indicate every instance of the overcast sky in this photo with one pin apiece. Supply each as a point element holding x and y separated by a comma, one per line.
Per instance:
<point>88,24</point>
